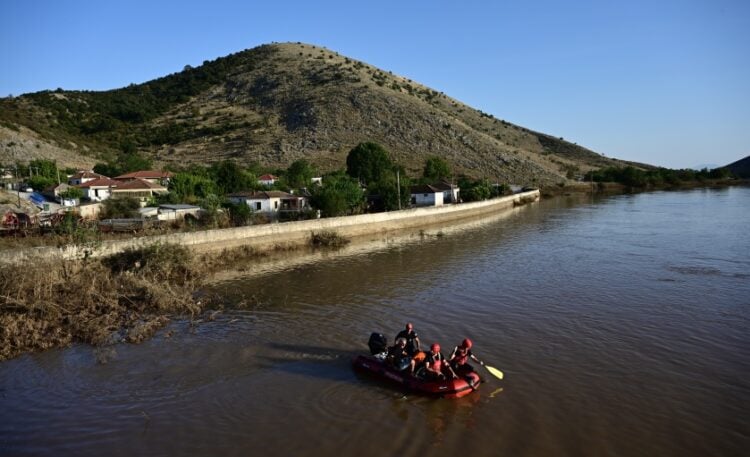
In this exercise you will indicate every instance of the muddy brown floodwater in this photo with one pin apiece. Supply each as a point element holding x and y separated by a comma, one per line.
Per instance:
<point>622,325</point>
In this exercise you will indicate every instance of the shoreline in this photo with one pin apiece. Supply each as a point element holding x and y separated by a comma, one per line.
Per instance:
<point>128,292</point>
<point>275,236</point>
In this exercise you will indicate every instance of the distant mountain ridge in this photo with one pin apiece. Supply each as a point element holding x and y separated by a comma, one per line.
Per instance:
<point>277,103</point>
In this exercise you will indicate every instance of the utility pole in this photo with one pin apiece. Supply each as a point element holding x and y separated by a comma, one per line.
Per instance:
<point>18,186</point>
<point>398,187</point>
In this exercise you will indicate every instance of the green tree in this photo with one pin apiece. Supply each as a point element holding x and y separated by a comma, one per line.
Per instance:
<point>108,169</point>
<point>72,193</point>
<point>239,213</point>
<point>299,174</point>
<point>472,191</point>
<point>436,169</point>
<point>121,207</point>
<point>42,167</point>
<point>389,192</point>
<point>186,186</point>
<point>339,195</point>
<point>231,178</point>
<point>368,162</point>
<point>39,182</point>
<point>135,162</point>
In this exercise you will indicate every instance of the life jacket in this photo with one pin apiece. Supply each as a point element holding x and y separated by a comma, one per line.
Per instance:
<point>437,361</point>
<point>461,356</point>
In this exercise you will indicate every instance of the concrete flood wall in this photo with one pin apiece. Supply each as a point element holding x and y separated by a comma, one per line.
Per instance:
<point>287,234</point>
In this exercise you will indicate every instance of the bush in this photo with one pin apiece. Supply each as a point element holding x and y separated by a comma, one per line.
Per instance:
<point>328,238</point>
<point>161,262</point>
<point>120,208</point>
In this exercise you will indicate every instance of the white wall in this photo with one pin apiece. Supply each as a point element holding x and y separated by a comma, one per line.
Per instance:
<point>429,199</point>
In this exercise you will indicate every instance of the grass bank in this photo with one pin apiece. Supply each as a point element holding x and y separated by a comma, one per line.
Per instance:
<point>125,297</point>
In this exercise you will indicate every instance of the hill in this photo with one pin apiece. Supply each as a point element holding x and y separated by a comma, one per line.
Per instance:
<point>740,168</point>
<point>277,103</point>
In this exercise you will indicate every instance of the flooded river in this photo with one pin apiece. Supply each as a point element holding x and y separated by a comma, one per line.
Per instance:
<point>622,326</point>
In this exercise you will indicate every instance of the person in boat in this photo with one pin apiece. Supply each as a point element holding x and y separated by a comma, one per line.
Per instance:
<point>412,339</point>
<point>398,356</point>
<point>413,346</point>
<point>436,365</point>
<point>459,359</point>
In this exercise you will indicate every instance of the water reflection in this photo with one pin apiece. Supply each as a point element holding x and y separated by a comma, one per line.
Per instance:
<point>621,324</point>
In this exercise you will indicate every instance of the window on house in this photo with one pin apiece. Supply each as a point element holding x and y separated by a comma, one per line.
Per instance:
<point>276,205</point>
<point>257,206</point>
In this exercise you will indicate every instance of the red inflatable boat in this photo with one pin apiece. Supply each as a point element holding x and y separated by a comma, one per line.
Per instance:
<point>374,364</point>
<point>467,382</point>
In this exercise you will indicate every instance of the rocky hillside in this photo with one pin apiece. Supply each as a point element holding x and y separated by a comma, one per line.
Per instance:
<point>740,168</point>
<point>277,103</point>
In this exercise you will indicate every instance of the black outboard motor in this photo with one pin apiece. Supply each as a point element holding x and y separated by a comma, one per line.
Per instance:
<point>378,343</point>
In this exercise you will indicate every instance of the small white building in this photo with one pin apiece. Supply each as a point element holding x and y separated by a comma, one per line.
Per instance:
<point>267,180</point>
<point>178,212</point>
<point>98,190</point>
<point>84,176</point>
<point>271,201</point>
<point>436,194</point>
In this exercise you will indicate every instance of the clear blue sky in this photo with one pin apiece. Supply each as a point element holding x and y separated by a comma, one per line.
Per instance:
<point>664,82</point>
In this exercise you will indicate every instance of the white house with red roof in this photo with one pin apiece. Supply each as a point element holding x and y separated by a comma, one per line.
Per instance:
<point>272,201</point>
<point>141,189</point>
<point>156,177</point>
<point>436,194</point>
<point>84,176</point>
<point>267,180</point>
<point>98,189</point>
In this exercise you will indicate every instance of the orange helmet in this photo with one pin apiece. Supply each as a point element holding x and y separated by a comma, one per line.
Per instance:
<point>466,343</point>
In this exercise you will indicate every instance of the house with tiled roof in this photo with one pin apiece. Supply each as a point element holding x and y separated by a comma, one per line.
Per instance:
<point>267,180</point>
<point>98,189</point>
<point>141,189</point>
<point>436,194</point>
<point>272,201</point>
<point>83,176</point>
<point>156,177</point>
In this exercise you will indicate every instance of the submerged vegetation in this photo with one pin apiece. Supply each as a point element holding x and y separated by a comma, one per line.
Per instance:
<point>124,297</point>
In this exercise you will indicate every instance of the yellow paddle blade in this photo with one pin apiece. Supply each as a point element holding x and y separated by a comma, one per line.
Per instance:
<point>495,372</point>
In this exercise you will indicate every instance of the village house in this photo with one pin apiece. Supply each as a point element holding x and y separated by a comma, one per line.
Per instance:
<point>271,201</point>
<point>138,188</point>
<point>436,194</point>
<point>84,176</point>
<point>267,180</point>
<point>152,176</point>
<point>53,193</point>
<point>98,190</point>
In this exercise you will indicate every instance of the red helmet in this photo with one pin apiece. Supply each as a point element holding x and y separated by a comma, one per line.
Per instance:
<point>409,326</point>
<point>435,347</point>
<point>466,343</point>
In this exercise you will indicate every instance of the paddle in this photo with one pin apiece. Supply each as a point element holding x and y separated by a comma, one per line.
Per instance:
<point>494,371</point>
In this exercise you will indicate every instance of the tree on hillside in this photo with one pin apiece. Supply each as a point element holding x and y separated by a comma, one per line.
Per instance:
<point>125,162</point>
<point>299,174</point>
<point>340,195</point>
<point>231,178</point>
<point>368,162</point>
<point>436,169</point>
<point>186,187</point>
